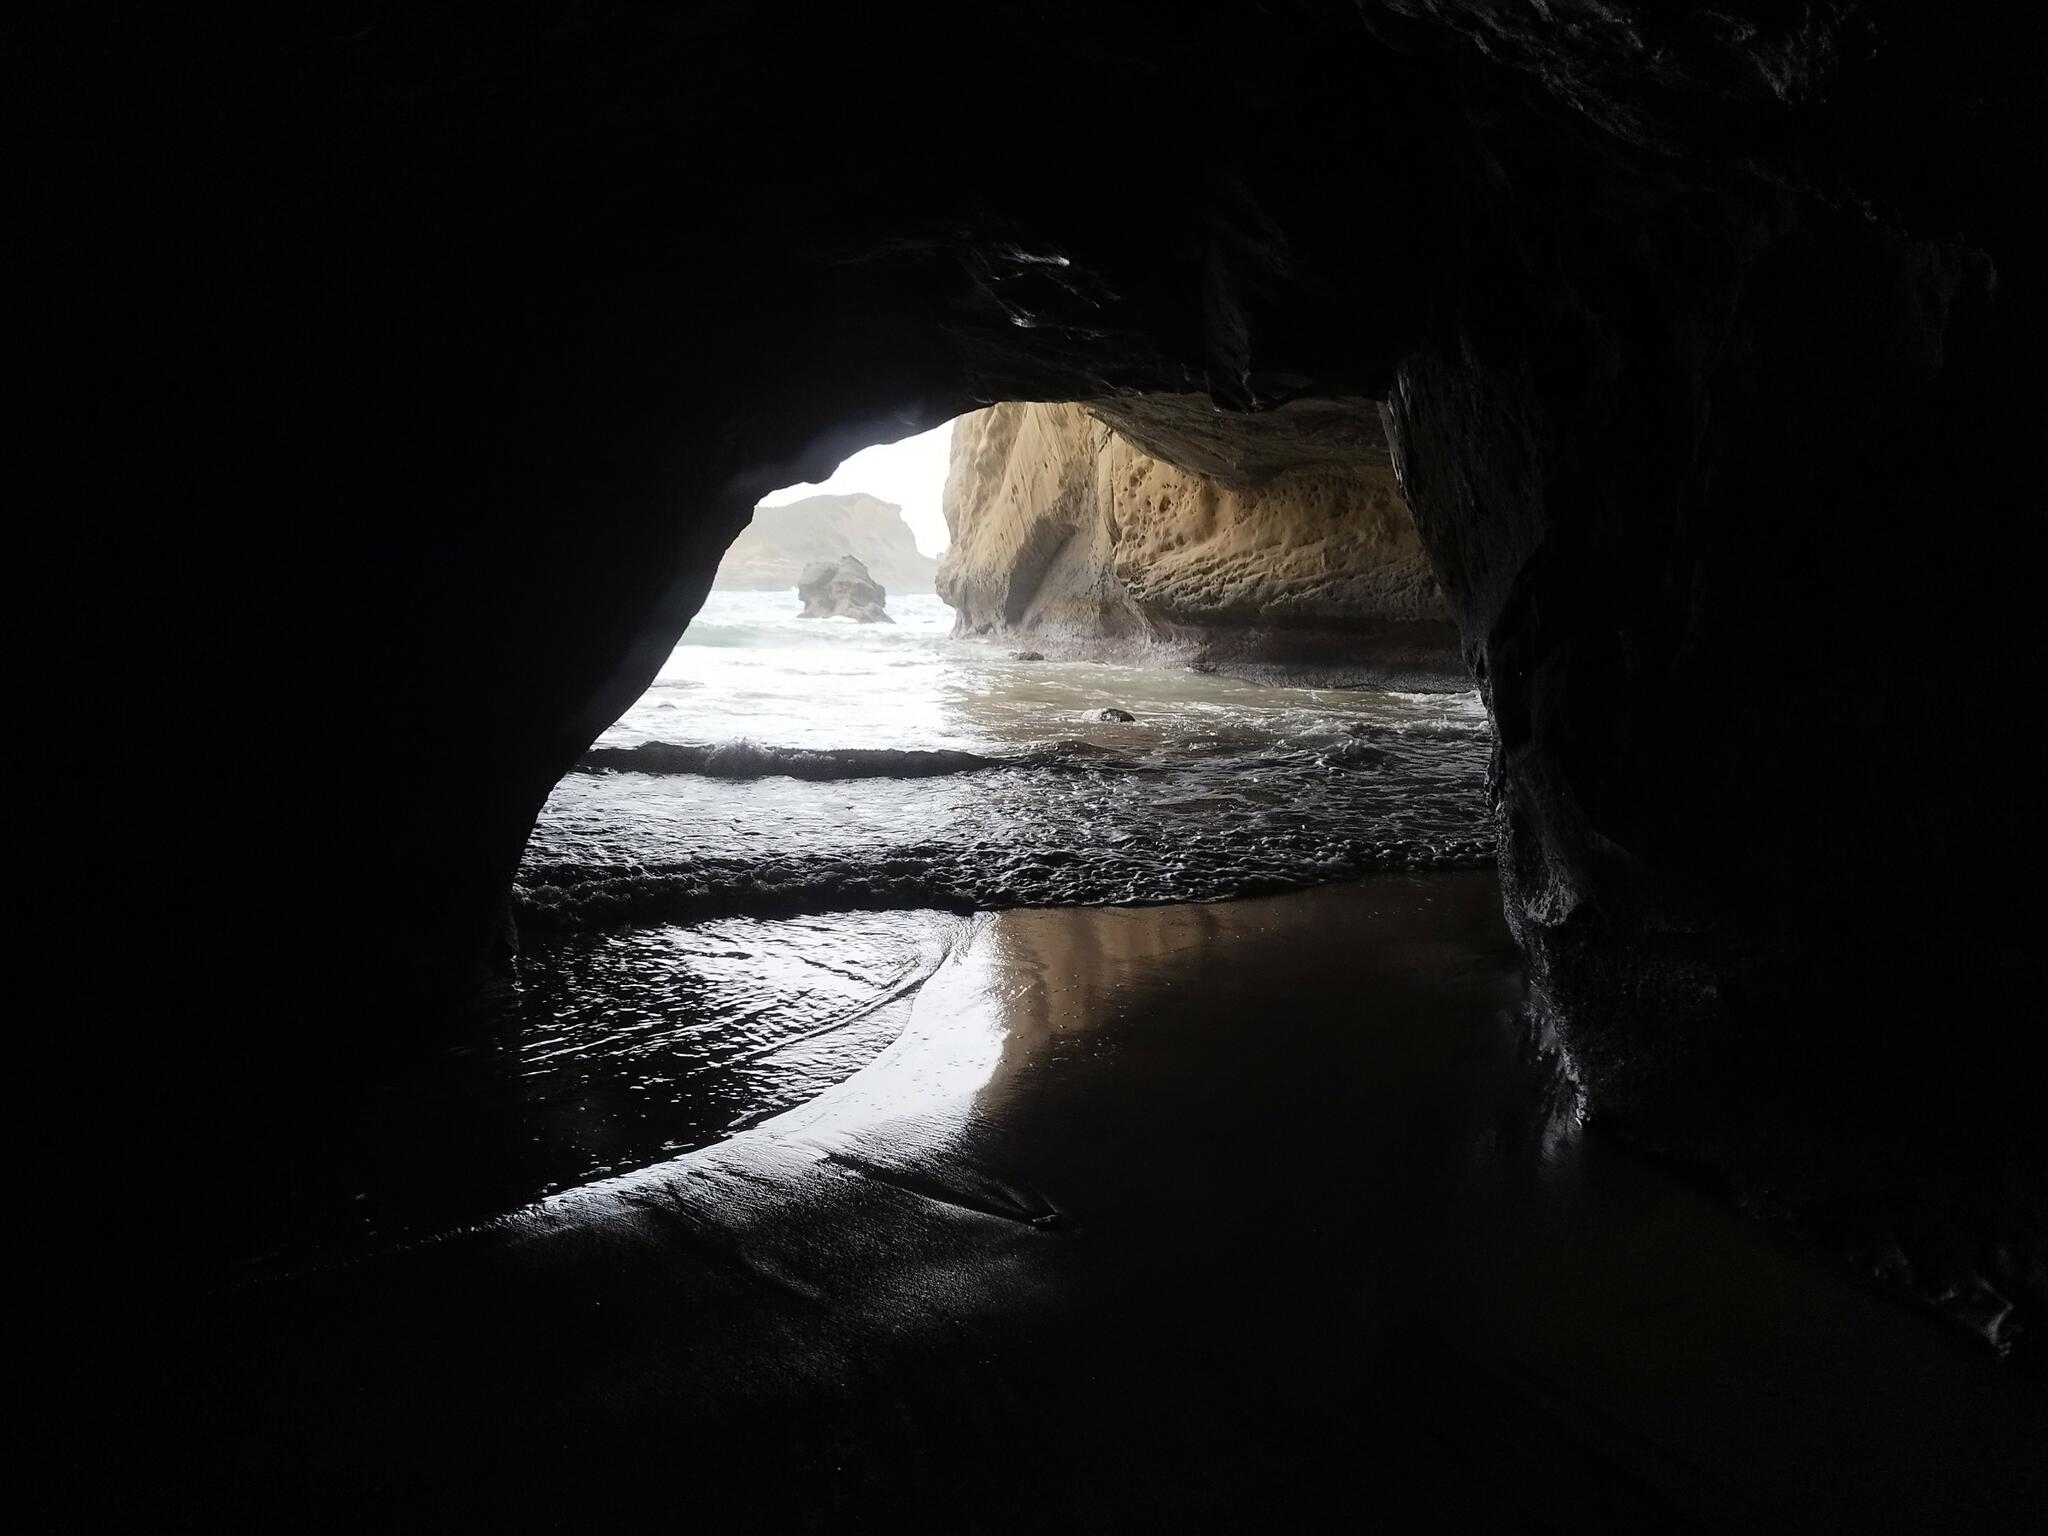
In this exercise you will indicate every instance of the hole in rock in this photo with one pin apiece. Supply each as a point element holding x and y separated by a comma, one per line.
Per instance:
<point>1015,661</point>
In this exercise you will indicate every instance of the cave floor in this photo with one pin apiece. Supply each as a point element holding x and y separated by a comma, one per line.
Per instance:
<point>1263,1213</point>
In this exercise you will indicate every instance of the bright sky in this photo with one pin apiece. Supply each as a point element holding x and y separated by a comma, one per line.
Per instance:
<point>911,473</point>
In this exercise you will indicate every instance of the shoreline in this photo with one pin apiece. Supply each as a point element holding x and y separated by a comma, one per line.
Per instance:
<point>1258,1209</point>
<point>1279,658</point>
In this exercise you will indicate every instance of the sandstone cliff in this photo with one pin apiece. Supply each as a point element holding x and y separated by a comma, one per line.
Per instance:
<point>1269,543</point>
<point>781,542</point>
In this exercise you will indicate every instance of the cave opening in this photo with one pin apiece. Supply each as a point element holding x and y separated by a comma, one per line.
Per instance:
<point>437,354</point>
<point>1021,660</point>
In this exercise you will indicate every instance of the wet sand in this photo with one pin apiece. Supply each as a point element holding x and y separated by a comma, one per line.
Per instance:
<point>1262,1213</point>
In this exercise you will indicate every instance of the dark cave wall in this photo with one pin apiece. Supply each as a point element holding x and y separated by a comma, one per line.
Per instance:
<point>1691,474</point>
<point>449,347</point>
<point>465,341</point>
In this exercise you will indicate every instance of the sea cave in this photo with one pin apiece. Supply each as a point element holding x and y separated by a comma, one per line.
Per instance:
<point>1424,918</point>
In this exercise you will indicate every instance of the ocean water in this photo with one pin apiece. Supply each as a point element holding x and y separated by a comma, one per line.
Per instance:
<point>726,908</point>
<point>730,905</point>
<point>781,765</point>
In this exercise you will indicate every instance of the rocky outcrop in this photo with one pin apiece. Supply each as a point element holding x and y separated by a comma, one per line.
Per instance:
<point>842,589</point>
<point>1275,543</point>
<point>773,550</point>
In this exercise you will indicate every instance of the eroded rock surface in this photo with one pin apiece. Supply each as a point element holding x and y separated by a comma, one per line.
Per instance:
<point>842,589</point>
<point>1276,541</point>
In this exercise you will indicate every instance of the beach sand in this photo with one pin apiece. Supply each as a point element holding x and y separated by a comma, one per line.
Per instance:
<point>1259,1214</point>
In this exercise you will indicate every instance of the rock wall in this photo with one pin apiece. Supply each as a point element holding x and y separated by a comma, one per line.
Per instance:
<point>773,550</point>
<point>1066,532</point>
<point>438,354</point>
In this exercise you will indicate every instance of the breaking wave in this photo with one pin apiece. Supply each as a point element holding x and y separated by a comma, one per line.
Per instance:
<point>837,770</point>
<point>746,760</point>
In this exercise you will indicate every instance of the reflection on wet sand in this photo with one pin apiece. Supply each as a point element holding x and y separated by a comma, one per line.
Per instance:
<point>1261,1213</point>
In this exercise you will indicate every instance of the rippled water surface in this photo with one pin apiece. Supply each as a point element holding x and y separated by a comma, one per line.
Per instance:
<point>806,765</point>
<point>631,1045</point>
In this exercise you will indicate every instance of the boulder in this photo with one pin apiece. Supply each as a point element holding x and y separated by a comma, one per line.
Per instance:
<point>842,589</point>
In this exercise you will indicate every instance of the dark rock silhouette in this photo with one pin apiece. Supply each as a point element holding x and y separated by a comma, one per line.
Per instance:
<point>842,589</point>
<point>439,355</point>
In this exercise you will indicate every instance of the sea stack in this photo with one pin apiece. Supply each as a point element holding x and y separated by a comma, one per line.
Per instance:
<point>842,588</point>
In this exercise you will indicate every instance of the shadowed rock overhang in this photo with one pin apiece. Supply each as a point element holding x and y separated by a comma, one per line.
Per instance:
<point>439,354</point>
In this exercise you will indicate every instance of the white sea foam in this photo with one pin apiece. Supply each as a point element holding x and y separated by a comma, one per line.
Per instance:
<point>782,764</point>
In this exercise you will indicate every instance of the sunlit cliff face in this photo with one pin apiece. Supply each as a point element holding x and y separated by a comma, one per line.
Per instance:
<point>1273,545</point>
